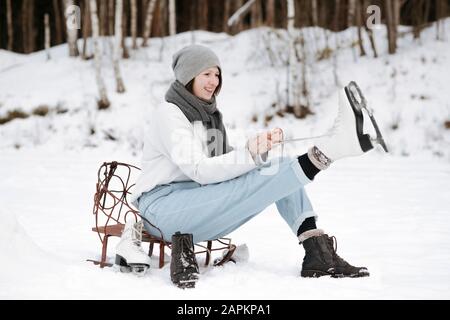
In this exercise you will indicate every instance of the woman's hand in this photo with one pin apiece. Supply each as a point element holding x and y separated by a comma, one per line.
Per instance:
<point>263,142</point>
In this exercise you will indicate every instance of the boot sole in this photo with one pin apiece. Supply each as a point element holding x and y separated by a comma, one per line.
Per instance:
<point>314,273</point>
<point>318,274</point>
<point>364,139</point>
<point>353,275</point>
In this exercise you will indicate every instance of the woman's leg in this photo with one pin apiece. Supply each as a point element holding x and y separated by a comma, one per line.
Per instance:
<point>214,210</point>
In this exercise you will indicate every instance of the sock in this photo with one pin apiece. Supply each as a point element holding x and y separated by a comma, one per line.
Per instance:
<point>308,224</point>
<point>309,234</point>
<point>308,167</point>
<point>318,158</point>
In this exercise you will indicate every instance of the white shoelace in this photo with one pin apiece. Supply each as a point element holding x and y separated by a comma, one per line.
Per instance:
<point>136,234</point>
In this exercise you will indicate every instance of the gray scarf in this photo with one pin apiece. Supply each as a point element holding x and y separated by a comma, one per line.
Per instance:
<point>196,109</point>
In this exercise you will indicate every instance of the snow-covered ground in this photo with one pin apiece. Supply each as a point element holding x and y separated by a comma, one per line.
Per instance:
<point>389,212</point>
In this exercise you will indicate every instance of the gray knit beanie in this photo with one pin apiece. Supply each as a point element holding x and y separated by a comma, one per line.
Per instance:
<point>190,61</point>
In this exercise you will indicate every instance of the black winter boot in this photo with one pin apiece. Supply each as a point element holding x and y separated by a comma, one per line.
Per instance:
<point>321,259</point>
<point>183,266</point>
<point>318,260</point>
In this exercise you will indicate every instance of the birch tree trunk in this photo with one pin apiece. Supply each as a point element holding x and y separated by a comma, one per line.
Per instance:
<point>118,47</point>
<point>9,46</point>
<point>71,27</point>
<point>103,103</point>
<point>148,22</point>
<point>134,23</point>
<point>47,35</point>
<point>172,18</point>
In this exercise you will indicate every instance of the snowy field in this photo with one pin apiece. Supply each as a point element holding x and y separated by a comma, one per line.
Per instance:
<point>390,213</point>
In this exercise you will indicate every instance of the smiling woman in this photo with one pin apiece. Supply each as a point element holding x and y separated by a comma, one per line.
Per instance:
<point>194,186</point>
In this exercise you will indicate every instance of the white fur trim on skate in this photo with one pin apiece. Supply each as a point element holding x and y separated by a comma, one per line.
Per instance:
<point>310,233</point>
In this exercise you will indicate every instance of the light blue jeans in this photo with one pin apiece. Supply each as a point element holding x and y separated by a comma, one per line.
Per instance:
<point>214,210</point>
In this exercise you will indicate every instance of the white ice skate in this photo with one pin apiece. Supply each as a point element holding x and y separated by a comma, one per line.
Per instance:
<point>347,138</point>
<point>130,257</point>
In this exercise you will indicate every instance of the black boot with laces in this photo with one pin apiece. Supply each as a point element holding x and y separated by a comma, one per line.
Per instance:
<point>318,260</point>
<point>321,259</point>
<point>183,266</point>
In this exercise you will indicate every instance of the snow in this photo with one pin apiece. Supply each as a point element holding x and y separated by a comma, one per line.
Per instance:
<point>389,212</point>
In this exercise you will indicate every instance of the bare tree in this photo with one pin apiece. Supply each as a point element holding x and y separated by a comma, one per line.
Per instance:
<point>351,12</point>
<point>47,35</point>
<point>305,109</point>
<point>71,27</point>
<point>9,46</point>
<point>359,15</point>
<point>391,6</point>
<point>256,14</point>
<point>86,29</point>
<point>103,103</point>
<point>202,14</point>
<point>441,12</point>
<point>148,22</point>
<point>292,92</point>
<point>369,30</point>
<point>110,17</point>
<point>118,47</point>
<point>125,53</point>
<point>314,13</point>
<point>28,29</point>
<point>226,15</point>
<point>59,26</point>
<point>134,23</point>
<point>103,17</point>
<point>172,18</point>
<point>270,13</point>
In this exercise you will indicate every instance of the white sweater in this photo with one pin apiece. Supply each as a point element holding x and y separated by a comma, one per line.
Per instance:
<point>175,150</point>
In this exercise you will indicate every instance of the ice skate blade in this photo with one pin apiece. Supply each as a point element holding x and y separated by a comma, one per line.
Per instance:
<point>359,103</point>
<point>138,269</point>
<point>379,139</point>
<point>186,284</point>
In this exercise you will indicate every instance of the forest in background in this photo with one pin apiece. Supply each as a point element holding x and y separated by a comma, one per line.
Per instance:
<point>22,22</point>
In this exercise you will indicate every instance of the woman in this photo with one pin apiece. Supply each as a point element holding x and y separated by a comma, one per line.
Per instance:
<point>195,187</point>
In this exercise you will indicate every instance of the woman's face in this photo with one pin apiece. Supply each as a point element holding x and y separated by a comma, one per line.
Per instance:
<point>206,83</point>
